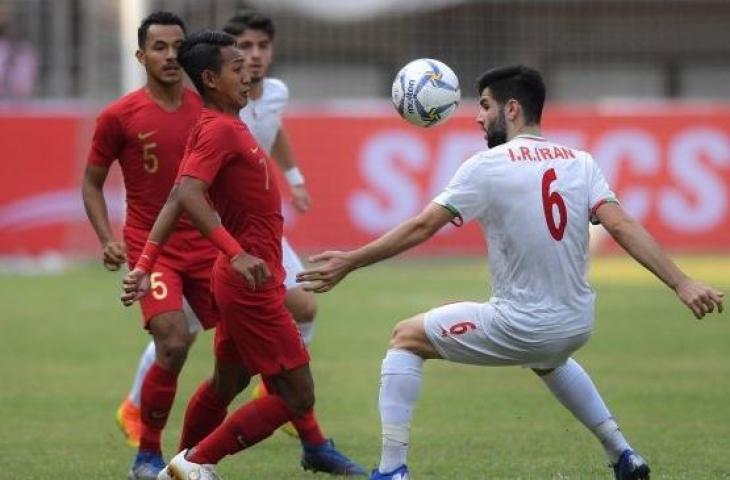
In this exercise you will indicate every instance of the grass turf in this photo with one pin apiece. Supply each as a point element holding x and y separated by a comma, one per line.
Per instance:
<point>68,351</point>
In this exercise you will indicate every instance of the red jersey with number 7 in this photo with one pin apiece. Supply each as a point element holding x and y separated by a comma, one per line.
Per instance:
<point>223,153</point>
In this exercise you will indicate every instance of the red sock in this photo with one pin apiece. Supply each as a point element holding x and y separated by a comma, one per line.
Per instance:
<point>308,429</point>
<point>306,425</point>
<point>158,393</point>
<point>244,428</point>
<point>205,412</point>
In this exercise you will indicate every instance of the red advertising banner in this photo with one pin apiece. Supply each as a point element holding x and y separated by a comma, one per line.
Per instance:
<point>669,165</point>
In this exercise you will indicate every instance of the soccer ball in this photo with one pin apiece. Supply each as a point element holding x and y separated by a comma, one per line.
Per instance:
<point>426,92</point>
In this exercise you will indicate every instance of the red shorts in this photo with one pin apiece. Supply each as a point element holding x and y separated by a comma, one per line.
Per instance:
<point>255,327</point>
<point>182,270</point>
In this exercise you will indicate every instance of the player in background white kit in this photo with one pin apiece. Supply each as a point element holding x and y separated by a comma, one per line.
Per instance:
<point>263,115</point>
<point>534,200</point>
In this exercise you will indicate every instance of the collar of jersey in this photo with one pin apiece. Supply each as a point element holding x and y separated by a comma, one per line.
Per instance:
<point>531,137</point>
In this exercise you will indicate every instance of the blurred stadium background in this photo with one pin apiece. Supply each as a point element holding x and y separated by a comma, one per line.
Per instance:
<point>643,84</point>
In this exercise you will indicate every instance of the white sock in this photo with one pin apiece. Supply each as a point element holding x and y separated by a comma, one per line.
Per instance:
<point>575,390</point>
<point>306,330</point>
<point>145,362</point>
<point>400,385</point>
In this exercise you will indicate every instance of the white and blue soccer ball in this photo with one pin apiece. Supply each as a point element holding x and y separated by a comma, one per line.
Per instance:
<point>426,92</point>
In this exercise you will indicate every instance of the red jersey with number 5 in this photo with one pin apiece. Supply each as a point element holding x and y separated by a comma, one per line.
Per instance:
<point>149,143</point>
<point>222,152</point>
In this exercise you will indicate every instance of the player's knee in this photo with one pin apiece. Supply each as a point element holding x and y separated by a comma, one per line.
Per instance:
<point>298,395</point>
<point>305,308</point>
<point>302,401</point>
<point>228,387</point>
<point>410,335</point>
<point>172,353</point>
<point>403,335</point>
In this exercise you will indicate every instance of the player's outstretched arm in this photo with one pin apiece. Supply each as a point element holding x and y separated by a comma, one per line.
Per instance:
<point>408,234</point>
<point>700,298</point>
<point>92,192</point>
<point>281,151</point>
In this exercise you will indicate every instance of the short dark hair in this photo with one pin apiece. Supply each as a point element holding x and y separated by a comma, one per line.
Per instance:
<point>250,20</point>
<point>202,51</point>
<point>520,82</point>
<point>157,18</point>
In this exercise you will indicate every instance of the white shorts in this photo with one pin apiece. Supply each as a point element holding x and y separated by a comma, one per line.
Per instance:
<point>292,265</point>
<point>476,333</point>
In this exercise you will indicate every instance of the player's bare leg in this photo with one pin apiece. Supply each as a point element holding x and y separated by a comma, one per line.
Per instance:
<point>319,454</point>
<point>208,407</point>
<point>303,307</point>
<point>400,386</point>
<point>572,386</point>
<point>208,438</point>
<point>128,414</point>
<point>172,341</point>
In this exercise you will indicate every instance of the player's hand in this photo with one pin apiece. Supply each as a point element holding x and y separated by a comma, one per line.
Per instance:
<point>300,198</point>
<point>135,285</point>
<point>115,254</point>
<point>252,268</point>
<point>700,298</point>
<point>324,277</point>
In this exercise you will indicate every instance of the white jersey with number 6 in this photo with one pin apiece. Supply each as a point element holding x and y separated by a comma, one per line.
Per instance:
<point>534,200</point>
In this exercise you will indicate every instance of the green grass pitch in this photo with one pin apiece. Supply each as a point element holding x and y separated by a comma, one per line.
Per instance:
<point>68,351</point>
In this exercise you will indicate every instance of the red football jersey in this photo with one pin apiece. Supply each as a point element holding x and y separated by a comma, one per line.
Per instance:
<point>222,152</point>
<point>149,144</point>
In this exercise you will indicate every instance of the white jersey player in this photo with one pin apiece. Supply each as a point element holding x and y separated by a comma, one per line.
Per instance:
<point>263,115</point>
<point>534,199</point>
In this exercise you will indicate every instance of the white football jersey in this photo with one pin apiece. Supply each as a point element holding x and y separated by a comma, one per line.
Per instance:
<point>263,116</point>
<point>534,200</point>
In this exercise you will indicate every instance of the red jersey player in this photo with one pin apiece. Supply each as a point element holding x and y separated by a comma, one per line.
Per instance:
<point>224,165</point>
<point>145,131</point>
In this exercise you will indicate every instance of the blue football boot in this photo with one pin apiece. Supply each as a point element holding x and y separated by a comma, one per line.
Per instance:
<point>400,473</point>
<point>326,458</point>
<point>146,466</point>
<point>631,466</point>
